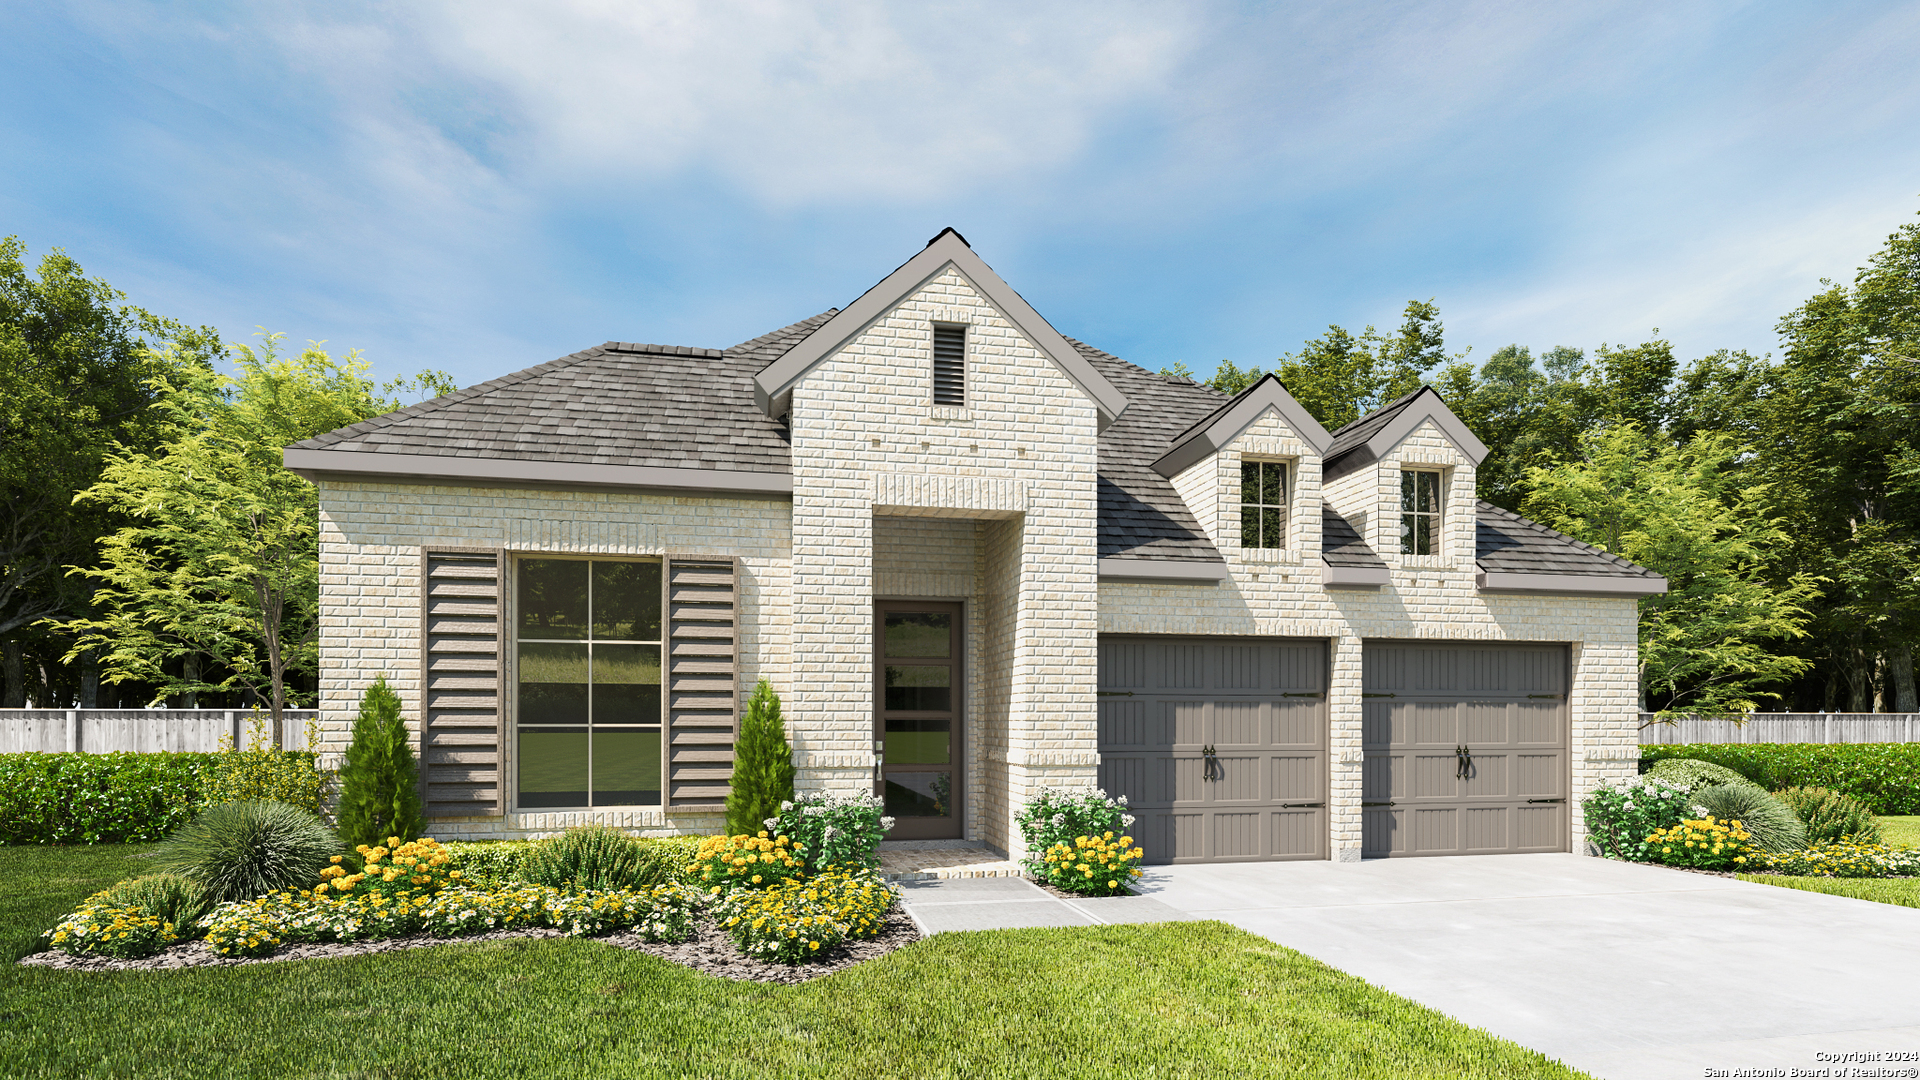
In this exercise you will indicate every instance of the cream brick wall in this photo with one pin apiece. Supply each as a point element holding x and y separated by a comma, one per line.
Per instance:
<point>867,439</point>
<point>370,540</point>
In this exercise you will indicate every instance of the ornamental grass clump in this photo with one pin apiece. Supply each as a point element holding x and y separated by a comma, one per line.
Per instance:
<point>247,849</point>
<point>1619,819</point>
<point>170,898</point>
<point>1844,859</point>
<point>1767,820</point>
<point>1093,865</point>
<point>1830,815</point>
<point>1062,815</point>
<point>725,863</point>
<point>834,830</point>
<point>100,927</point>
<point>599,857</point>
<point>1705,843</point>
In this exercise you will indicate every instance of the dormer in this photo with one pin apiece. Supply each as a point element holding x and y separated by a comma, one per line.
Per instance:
<point>1403,476</point>
<point>1250,473</point>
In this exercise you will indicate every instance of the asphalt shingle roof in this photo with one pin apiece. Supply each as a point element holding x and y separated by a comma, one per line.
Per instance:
<point>1364,428</point>
<point>676,406</point>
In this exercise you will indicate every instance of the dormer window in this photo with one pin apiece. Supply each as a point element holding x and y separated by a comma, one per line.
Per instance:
<point>949,364</point>
<point>1419,512</point>
<point>1263,504</point>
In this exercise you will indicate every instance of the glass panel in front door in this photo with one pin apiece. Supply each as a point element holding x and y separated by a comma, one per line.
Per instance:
<point>918,684</point>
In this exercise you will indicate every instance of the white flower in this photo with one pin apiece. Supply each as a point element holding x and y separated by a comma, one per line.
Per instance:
<point>772,822</point>
<point>785,806</point>
<point>886,823</point>
<point>1122,800</point>
<point>1126,819</point>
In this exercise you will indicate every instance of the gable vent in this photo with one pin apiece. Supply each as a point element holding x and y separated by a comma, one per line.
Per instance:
<point>949,365</point>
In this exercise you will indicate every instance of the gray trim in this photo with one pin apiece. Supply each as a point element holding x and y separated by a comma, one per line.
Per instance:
<point>1426,404</point>
<point>773,386</point>
<point>1162,571</point>
<point>1354,577</point>
<point>360,465</point>
<point>1571,584</point>
<point>1216,431</point>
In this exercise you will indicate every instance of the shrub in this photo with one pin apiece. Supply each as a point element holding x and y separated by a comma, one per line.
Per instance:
<point>170,898</point>
<point>1061,815</point>
<point>1093,865</point>
<point>247,849</point>
<point>830,830</point>
<point>1844,859</point>
<point>100,927</point>
<point>1770,823</point>
<point>414,868</point>
<point>1697,774</point>
<point>379,782</point>
<point>98,798</point>
<point>762,764</point>
<point>1883,776</point>
<point>262,773</point>
<point>725,863</point>
<point>1706,843</point>
<point>1620,819</point>
<point>487,863</point>
<point>598,857</point>
<point>1829,815</point>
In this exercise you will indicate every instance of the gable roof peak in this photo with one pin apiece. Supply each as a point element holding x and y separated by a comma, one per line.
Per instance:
<point>773,385</point>
<point>1373,435</point>
<point>1226,423</point>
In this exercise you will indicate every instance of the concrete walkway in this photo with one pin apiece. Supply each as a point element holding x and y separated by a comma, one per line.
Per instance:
<point>1625,971</point>
<point>1007,903</point>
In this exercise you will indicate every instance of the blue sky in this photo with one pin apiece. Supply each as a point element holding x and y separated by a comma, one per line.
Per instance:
<point>480,186</point>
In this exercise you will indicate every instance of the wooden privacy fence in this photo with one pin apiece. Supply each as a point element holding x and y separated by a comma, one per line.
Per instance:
<point>103,731</point>
<point>1786,728</point>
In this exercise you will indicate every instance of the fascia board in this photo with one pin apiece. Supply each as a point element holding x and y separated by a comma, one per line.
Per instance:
<point>360,465</point>
<point>773,385</point>
<point>1207,438</point>
<point>1427,406</point>
<point>1570,584</point>
<point>1162,571</point>
<point>1354,577</point>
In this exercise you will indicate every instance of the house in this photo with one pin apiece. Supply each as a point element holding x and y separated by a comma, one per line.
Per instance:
<point>975,558</point>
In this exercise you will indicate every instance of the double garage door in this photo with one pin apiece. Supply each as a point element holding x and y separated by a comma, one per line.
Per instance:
<point>1220,745</point>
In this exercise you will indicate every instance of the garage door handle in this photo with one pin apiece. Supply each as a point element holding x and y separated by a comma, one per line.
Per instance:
<point>1115,693</point>
<point>1546,800</point>
<point>1379,695</point>
<point>1303,695</point>
<point>1555,697</point>
<point>1376,804</point>
<point>1299,805</point>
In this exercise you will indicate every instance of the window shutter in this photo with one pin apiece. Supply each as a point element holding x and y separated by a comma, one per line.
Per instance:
<point>702,676</point>
<point>461,674</point>
<point>949,365</point>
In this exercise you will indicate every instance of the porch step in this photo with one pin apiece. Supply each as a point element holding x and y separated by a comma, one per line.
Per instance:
<point>942,863</point>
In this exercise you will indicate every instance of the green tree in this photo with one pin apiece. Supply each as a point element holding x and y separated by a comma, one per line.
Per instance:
<point>762,765</point>
<point>221,558</point>
<point>75,379</point>
<point>1339,377</point>
<point>1687,512</point>
<point>379,780</point>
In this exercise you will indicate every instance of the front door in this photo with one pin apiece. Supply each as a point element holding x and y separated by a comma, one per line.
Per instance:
<point>917,681</point>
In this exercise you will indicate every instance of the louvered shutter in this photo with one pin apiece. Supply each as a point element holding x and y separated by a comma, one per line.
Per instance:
<point>703,636</point>
<point>949,365</point>
<point>461,671</point>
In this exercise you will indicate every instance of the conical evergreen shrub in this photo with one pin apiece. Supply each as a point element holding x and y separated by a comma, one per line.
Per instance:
<point>379,783</point>
<point>762,765</point>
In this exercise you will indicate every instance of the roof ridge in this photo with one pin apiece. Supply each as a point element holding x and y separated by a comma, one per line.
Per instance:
<point>1621,560</point>
<point>749,344</point>
<point>663,350</point>
<point>418,408</point>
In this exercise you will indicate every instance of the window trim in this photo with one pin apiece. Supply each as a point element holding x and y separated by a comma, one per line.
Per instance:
<point>510,691</point>
<point>934,388</point>
<point>1285,506</point>
<point>1409,518</point>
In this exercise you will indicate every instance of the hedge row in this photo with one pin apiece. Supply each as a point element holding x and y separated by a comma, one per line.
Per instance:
<point>98,798</point>
<point>1885,776</point>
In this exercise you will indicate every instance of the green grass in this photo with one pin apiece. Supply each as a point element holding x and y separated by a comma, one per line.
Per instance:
<point>1900,831</point>
<point>1167,1000</point>
<point>1904,891</point>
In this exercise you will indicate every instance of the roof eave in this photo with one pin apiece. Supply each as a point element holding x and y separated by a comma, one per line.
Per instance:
<point>363,466</point>
<point>1123,568</point>
<point>1354,577</point>
<point>1604,585</point>
<point>773,385</point>
<point>1209,435</point>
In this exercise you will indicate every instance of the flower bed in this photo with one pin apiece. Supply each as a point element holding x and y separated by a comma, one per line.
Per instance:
<point>1844,859</point>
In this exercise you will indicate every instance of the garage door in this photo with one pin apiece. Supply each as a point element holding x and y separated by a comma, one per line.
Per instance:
<point>1465,749</point>
<point>1219,744</point>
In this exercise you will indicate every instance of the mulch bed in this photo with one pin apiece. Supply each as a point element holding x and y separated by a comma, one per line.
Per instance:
<point>708,951</point>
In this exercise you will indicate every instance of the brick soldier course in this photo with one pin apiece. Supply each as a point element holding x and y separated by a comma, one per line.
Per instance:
<point>1070,497</point>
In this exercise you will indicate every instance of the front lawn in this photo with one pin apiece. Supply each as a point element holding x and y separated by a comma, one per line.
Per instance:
<point>1894,832</point>
<point>1900,831</point>
<point>1192,999</point>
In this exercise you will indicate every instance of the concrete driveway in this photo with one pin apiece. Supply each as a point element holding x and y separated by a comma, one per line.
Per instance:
<point>1629,972</point>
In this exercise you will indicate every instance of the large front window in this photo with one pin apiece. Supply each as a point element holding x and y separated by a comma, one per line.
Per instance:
<point>587,639</point>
